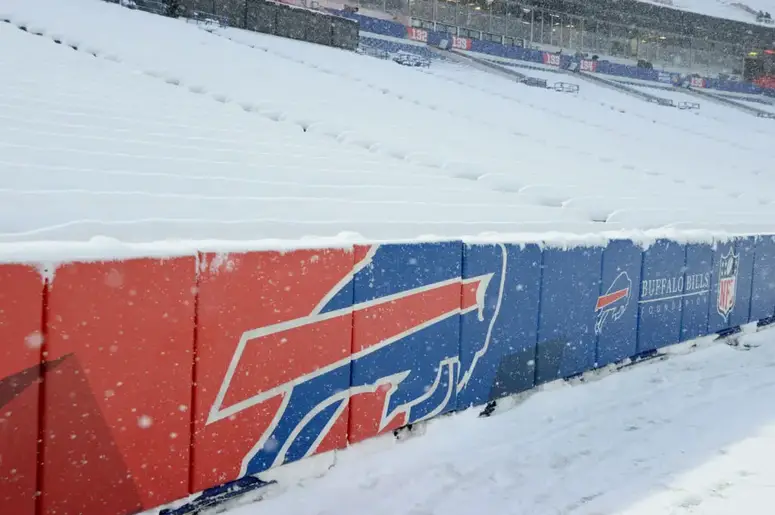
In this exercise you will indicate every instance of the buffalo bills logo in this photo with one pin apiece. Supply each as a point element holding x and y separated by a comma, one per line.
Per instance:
<point>405,363</point>
<point>613,303</point>
<point>727,283</point>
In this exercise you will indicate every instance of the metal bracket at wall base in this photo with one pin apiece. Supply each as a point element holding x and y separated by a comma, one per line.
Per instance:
<point>217,495</point>
<point>489,409</point>
<point>409,431</point>
<point>726,333</point>
<point>647,355</point>
<point>764,322</point>
<point>401,431</point>
<point>730,338</point>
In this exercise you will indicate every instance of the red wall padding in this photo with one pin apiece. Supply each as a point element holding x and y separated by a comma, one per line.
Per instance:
<point>255,292</point>
<point>21,306</point>
<point>116,421</point>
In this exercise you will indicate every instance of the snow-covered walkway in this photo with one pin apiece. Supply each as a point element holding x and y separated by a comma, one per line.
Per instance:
<point>692,434</point>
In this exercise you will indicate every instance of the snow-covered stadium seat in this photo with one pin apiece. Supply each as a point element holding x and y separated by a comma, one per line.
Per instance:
<point>185,138</point>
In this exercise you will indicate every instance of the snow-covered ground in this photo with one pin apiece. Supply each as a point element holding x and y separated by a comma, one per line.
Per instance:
<point>236,135</point>
<point>694,434</point>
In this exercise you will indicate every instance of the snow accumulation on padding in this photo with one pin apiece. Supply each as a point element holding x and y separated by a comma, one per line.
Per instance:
<point>142,128</point>
<point>693,434</point>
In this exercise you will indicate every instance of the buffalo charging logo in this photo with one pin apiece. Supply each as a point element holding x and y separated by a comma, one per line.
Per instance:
<point>727,283</point>
<point>392,387</point>
<point>613,303</point>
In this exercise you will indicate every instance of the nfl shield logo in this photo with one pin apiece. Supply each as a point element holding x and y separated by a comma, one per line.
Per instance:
<point>727,283</point>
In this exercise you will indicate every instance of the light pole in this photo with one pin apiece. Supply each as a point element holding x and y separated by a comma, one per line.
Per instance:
<point>489,21</point>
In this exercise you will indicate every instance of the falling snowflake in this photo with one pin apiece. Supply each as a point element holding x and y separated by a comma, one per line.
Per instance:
<point>271,444</point>
<point>114,278</point>
<point>34,340</point>
<point>144,422</point>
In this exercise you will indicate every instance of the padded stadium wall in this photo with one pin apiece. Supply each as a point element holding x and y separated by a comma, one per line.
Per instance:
<point>129,383</point>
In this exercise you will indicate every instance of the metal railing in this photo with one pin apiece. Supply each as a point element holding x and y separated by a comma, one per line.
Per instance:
<point>539,27</point>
